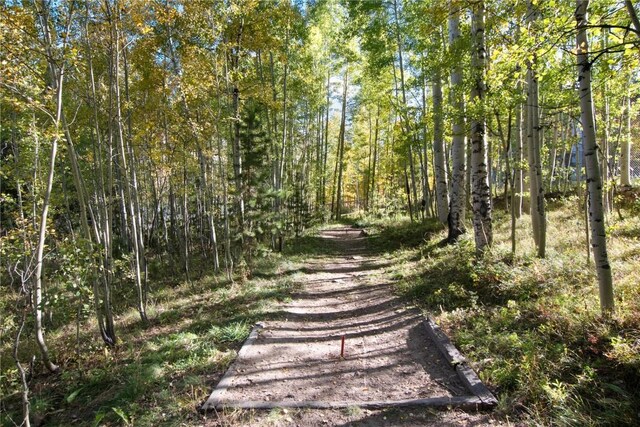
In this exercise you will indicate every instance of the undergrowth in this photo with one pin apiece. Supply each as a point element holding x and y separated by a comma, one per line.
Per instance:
<point>532,327</point>
<point>158,374</point>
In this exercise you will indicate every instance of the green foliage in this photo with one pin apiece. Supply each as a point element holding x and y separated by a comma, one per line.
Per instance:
<point>158,79</point>
<point>234,332</point>
<point>159,374</point>
<point>532,326</point>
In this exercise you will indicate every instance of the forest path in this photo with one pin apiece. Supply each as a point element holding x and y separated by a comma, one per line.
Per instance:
<point>295,362</point>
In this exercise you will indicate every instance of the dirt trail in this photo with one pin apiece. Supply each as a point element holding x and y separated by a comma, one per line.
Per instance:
<point>387,353</point>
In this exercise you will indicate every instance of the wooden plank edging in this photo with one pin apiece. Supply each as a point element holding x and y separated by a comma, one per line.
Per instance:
<point>482,396</point>
<point>458,362</point>
<point>463,402</point>
<point>226,380</point>
<point>444,344</point>
<point>470,379</point>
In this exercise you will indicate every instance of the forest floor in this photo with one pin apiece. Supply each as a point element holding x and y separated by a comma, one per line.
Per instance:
<point>388,356</point>
<point>530,327</point>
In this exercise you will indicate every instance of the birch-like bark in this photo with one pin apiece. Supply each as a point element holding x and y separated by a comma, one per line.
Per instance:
<point>506,147</point>
<point>236,148</point>
<point>208,196</point>
<point>553,153</point>
<point>411,189</point>
<point>102,220</point>
<point>426,199</point>
<point>457,195</point>
<point>42,227</point>
<point>625,151</point>
<point>367,180</point>
<point>407,188</point>
<point>442,187</point>
<point>225,201</point>
<point>340,159</point>
<point>325,148</point>
<point>224,180</point>
<point>375,158</point>
<point>604,148</point>
<point>125,166</point>
<point>133,176</point>
<point>318,157</point>
<point>517,159</point>
<point>537,209</point>
<point>283,147</point>
<point>57,73</point>
<point>480,192</point>
<point>414,191</point>
<point>594,184</point>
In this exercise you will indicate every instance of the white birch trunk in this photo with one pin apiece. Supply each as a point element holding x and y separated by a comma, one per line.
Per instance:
<point>480,190</point>
<point>426,202</point>
<point>235,147</point>
<point>625,152</point>
<point>604,148</point>
<point>442,188</point>
<point>57,79</point>
<point>458,144</point>
<point>341,137</point>
<point>594,183</point>
<point>517,160</point>
<point>125,165</point>
<point>42,231</point>
<point>536,191</point>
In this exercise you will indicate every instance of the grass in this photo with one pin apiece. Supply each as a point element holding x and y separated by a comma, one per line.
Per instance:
<point>160,373</point>
<point>533,326</point>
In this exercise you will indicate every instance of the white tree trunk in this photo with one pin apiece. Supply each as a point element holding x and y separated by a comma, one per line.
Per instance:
<point>341,137</point>
<point>127,178</point>
<point>480,190</point>
<point>594,183</point>
<point>536,189</point>
<point>605,126</point>
<point>42,231</point>
<point>236,148</point>
<point>104,313</point>
<point>458,143</point>
<point>516,151</point>
<point>442,188</point>
<point>426,202</point>
<point>57,78</point>
<point>625,152</point>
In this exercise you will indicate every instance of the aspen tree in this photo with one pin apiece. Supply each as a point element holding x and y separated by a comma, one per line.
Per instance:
<point>481,197</point>
<point>57,75</point>
<point>516,150</point>
<point>104,235</point>
<point>536,189</point>
<point>442,188</point>
<point>127,166</point>
<point>625,151</point>
<point>594,183</point>
<point>340,153</point>
<point>457,198</point>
